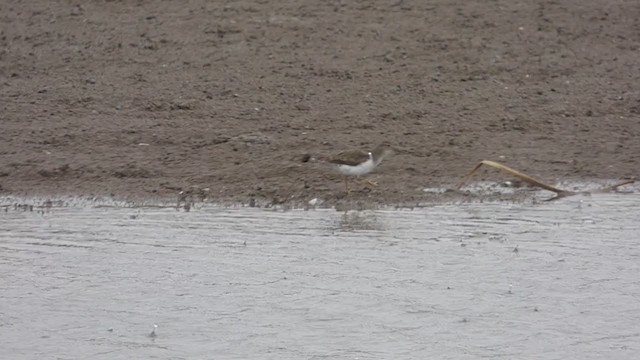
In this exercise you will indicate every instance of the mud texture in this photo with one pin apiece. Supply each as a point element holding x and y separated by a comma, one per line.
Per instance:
<point>234,100</point>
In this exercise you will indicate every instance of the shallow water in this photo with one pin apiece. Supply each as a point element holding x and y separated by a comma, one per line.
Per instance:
<point>556,280</point>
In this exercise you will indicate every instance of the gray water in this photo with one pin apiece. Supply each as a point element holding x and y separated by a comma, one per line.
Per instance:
<point>556,280</point>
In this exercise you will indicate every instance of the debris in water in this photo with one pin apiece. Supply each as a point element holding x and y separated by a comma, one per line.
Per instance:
<point>528,179</point>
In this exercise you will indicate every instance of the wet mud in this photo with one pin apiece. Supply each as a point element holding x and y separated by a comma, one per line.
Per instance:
<point>234,101</point>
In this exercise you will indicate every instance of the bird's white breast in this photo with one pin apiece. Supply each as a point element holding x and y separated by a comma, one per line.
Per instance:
<point>357,170</point>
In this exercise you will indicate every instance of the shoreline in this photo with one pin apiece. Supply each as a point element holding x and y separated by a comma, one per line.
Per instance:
<point>480,191</point>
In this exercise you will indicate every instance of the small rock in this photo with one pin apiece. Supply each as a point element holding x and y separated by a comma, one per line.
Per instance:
<point>254,138</point>
<point>181,105</point>
<point>76,10</point>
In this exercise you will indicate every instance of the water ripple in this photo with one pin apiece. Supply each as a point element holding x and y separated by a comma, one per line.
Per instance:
<point>551,280</point>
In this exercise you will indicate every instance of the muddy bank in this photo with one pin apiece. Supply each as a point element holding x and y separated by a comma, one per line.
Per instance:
<point>148,100</point>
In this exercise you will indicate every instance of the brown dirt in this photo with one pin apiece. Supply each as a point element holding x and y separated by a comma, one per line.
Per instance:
<point>148,98</point>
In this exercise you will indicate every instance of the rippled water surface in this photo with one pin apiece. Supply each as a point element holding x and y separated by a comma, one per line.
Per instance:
<point>557,280</point>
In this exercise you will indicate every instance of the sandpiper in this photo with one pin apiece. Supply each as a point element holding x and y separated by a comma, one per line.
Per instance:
<point>357,162</point>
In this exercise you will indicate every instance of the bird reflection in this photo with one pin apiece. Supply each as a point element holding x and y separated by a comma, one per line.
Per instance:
<point>356,220</point>
<point>153,334</point>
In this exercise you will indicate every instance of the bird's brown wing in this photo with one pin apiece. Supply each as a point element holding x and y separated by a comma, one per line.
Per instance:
<point>351,157</point>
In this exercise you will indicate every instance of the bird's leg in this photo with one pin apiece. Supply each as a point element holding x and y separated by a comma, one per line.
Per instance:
<point>346,184</point>
<point>367,182</point>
